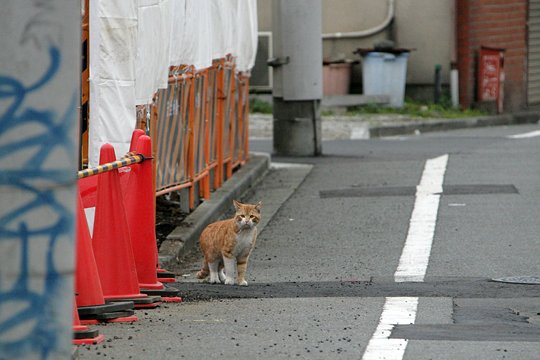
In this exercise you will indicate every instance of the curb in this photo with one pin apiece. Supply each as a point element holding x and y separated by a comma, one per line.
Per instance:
<point>184,238</point>
<point>529,117</point>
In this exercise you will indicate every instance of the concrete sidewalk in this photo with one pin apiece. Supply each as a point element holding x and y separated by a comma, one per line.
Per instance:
<point>382,125</point>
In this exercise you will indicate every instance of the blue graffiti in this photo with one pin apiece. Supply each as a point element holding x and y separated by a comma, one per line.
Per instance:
<point>36,309</point>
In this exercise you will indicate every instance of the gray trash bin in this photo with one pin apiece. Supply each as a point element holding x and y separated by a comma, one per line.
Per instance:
<point>385,73</point>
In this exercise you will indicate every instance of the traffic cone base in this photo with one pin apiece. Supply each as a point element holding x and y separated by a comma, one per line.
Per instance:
<point>148,306</point>
<point>162,273</point>
<point>83,334</point>
<point>132,318</point>
<point>165,291</point>
<point>165,275</point>
<point>114,315</point>
<point>89,322</point>
<point>174,299</point>
<point>140,302</point>
<point>86,311</point>
<point>122,319</point>
<point>157,286</point>
<point>87,338</point>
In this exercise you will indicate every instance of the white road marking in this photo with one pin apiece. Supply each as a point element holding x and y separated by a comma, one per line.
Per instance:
<point>396,311</point>
<point>526,135</point>
<point>412,264</point>
<point>415,255</point>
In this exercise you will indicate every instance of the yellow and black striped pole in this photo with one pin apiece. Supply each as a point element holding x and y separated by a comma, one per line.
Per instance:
<point>127,160</point>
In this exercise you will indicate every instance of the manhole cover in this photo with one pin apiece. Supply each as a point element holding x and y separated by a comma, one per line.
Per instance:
<point>528,280</point>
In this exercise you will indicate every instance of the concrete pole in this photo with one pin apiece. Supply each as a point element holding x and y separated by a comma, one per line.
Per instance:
<point>297,89</point>
<point>39,96</point>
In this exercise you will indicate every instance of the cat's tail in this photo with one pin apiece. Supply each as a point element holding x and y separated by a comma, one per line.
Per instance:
<point>204,272</point>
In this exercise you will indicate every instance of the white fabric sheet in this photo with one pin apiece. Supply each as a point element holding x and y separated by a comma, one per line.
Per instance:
<point>133,43</point>
<point>113,32</point>
<point>148,50</point>
<point>247,27</point>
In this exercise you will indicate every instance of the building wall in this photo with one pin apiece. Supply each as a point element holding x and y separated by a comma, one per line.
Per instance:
<point>499,24</point>
<point>425,25</point>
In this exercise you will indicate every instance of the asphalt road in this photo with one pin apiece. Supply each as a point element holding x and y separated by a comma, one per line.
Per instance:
<point>323,276</point>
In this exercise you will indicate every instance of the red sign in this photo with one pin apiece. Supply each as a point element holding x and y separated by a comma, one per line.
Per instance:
<point>491,76</point>
<point>489,86</point>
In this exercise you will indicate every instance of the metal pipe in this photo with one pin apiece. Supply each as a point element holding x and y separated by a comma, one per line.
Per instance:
<point>368,32</point>
<point>454,85</point>
<point>437,89</point>
<point>126,161</point>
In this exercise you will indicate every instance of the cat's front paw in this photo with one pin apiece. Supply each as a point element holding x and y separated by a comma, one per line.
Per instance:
<point>243,283</point>
<point>214,280</point>
<point>229,281</point>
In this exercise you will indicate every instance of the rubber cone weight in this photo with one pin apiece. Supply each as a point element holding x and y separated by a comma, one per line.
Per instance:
<point>83,334</point>
<point>106,308</point>
<point>166,291</point>
<point>165,274</point>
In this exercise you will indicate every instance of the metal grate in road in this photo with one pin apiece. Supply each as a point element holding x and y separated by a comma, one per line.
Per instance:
<point>482,189</point>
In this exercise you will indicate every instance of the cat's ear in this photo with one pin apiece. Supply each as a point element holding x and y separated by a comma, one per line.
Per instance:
<point>258,206</point>
<point>237,204</point>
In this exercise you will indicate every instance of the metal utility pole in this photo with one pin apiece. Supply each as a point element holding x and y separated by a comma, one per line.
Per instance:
<point>297,90</point>
<point>40,75</point>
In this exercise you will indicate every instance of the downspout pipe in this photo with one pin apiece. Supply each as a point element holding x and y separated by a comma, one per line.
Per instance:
<point>368,32</point>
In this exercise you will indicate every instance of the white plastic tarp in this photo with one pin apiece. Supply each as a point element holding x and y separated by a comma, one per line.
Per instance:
<point>191,38</point>
<point>152,60</point>
<point>148,50</point>
<point>165,8</point>
<point>247,35</point>
<point>223,18</point>
<point>133,42</point>
<point>113,34</point>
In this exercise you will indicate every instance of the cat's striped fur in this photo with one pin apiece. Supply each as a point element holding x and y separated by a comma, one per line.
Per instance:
<point>227,244</point>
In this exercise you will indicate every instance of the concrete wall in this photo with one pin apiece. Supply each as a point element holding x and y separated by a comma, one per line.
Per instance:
<point>426,25</point>
<point>39,80</point>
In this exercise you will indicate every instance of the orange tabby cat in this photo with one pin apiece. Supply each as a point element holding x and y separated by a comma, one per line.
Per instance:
<point>228,244</point>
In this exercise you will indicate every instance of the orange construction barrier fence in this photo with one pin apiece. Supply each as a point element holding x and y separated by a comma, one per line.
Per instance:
<point>200,128</point>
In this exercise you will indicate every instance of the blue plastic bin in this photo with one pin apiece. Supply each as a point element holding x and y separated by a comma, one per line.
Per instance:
<point>385,74</point>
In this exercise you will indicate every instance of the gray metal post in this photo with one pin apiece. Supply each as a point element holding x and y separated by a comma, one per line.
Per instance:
<point>39,95</point>
<point>297,90</point>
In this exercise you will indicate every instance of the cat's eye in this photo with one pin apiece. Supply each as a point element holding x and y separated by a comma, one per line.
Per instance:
<point>252,216</point>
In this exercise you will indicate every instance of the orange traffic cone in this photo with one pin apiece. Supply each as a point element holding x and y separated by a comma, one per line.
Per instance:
<point>89,295</point>
<point>111,240</point>
<point>139,201</point>
<point>141,215</point>
<point>137,133</point>
<point>162,274</point>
